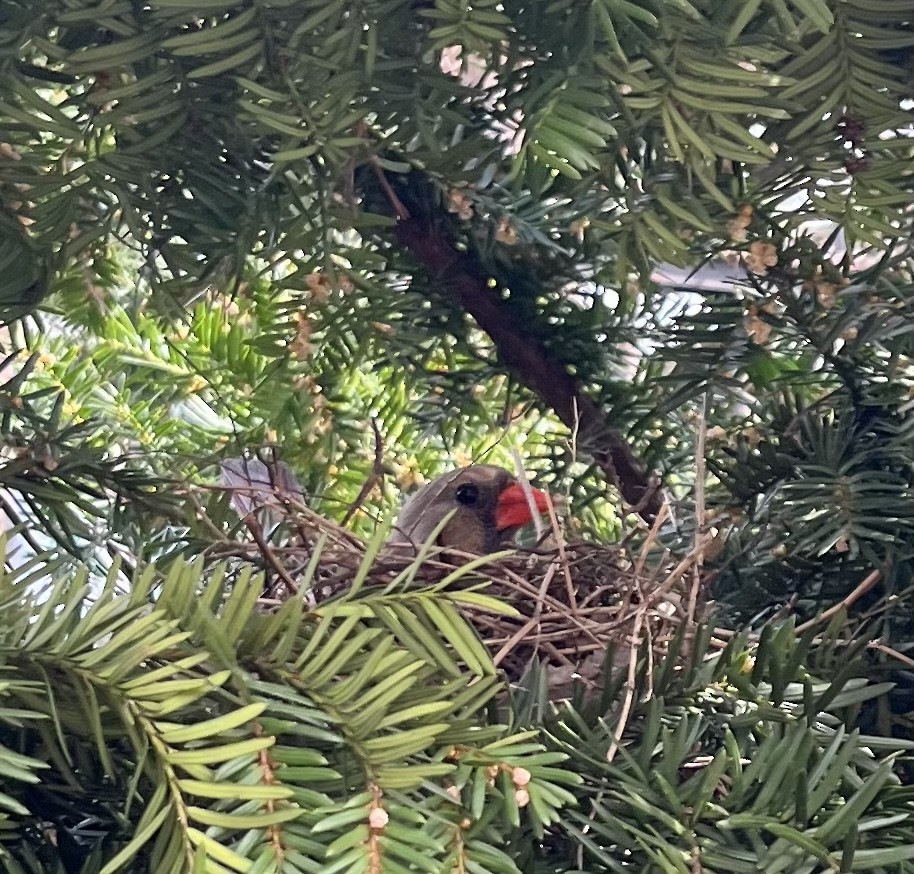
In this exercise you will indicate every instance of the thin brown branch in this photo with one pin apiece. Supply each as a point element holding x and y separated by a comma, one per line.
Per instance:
<point>265,550</point>
<point>699,549</point>
<point>905,660</point>
<point>528,492</point>
<point>630,684</point>
<point>377,473</point>
<point>845,603</point>
<point>401,212</point>
<point>651,537</point>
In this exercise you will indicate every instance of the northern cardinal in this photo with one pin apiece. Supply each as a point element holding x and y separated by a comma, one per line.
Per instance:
<point>489,506</point>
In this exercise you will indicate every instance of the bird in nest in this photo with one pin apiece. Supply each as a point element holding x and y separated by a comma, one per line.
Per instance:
<point>484,505</point>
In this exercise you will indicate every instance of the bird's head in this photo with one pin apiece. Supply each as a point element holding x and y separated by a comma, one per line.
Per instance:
<point>489,507</point>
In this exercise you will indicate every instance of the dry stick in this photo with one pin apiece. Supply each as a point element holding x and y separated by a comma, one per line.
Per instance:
<point>861,589</point>
<point>540,528</point>
<point>677,572</point>
<point>270,602</point>
<point>573,444</point>
<point>629,688</point>
<point>542,598</point>
<point>286,501</point>
<point>528,493</point>
<point>376,475</point>
<point>552,637</point>
<point>580,625</point>
<point>338,533</point>
<point>559,632</point>
<point>883,605</point>
<point>640,615</point>
<point>575,427</point>
<point>891,652</point>
<point>532,622</point>
<point>232,548</point>
<point>559,537</point>
<point>587,606</point>
<point>649,636</point>
<point>699,549</point>
<point>401,212</point>
<point>267,552</point>
<point>558,655</point>
<point>563,555</point>
<point>651,537</point>
<point>201,516</point>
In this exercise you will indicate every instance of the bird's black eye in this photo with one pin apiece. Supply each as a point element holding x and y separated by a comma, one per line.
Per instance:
<point>467,494</point>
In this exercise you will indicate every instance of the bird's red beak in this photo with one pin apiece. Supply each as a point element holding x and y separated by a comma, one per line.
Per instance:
<point>513,511</point>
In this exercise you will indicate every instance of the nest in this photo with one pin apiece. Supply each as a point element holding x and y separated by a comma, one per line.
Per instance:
<point>572,600</point>
<point>572,604</point>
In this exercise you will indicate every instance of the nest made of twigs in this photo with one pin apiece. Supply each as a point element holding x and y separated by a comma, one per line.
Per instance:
<point>571,605</point>
<point>572,600</point>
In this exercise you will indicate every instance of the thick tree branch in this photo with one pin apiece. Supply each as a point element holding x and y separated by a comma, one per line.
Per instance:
<point>532,363</point>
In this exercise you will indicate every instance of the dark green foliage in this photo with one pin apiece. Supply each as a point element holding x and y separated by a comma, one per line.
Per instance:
<point>177,728</point>
<point>236,225</point>
<point>744,762</point>
<point>174,727</point>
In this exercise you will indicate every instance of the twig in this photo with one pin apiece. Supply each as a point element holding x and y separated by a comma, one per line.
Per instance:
<point>563,556</point>
<point>528,493</point>
<point>251,521</point>
<point>651,537</point>
<point>540,528</point>
<point>860,590</point>
<point>699,549</point>
<point>401,212</point>
<point>672,577</point>
<point>629,688</point>
<point>254,527</point>
<point>573,441</point>
<point>558,655</point>
<point>376,475</point>
<point>905,660</point>
<point>649,636</point>
<point>533,621</point>
<point>201,516</point>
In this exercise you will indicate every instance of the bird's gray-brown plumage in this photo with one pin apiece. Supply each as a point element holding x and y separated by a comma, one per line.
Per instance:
<point>488,504</point>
